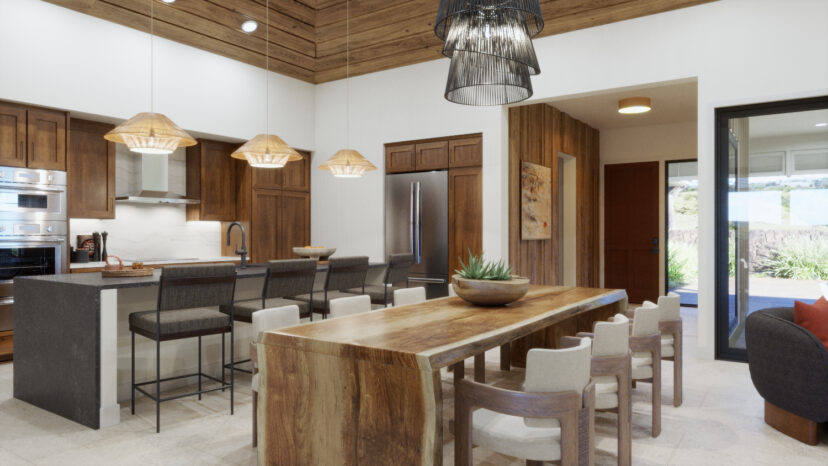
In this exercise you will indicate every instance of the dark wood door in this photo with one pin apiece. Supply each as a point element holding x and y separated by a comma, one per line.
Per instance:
<point>265,207</point>
<point>12,135</point>
<point>399,159</point>
<point>465,214</point>
<point>90,171</point>
<point>46,137</point>
<point>296,175</point>
<point>432,156</point>
<point>294,221</point>
<point>631,229</point>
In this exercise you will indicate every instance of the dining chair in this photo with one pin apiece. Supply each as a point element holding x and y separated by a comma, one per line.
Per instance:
<point>264,320</point>
<point>409,296</point>
<point>645,344</point>
<point>611,372</point>
<point>341,307</point>
<point>670,325</point>
<point>551,420</point>
<point>344,273</point>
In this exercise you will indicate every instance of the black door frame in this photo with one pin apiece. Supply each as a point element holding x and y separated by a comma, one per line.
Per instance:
<point>667,225</point>
<point>723,350</point>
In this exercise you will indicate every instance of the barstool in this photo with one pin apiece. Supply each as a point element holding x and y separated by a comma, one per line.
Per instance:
<point>283,278</point>
<point>398,270</point>
<point>343,273</point>
<point>188,300</point>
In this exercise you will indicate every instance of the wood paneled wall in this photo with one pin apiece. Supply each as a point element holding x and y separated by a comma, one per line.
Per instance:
<point>537,134</point>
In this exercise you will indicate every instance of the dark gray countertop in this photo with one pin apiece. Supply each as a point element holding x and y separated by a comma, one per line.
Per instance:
<point>95,279</point>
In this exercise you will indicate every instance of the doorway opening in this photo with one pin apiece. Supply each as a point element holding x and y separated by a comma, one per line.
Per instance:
<point>681,230</point>
<point>771,221</point>
<point>567,232</point>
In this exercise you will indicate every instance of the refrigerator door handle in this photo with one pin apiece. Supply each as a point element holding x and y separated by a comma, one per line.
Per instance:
<point>419,223</point>
<point>411,221</point>
<point>438,281</point>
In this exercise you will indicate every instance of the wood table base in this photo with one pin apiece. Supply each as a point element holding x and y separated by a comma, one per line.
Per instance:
<point>804,430</point>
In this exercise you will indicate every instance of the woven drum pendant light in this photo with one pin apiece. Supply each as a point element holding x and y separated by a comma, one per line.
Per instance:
<point>266,150</point>
<point>347,163</point>
<point>149,132</point>
<point>490,46</point>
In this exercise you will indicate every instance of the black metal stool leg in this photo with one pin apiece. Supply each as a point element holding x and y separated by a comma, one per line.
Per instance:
<point>222,362</point>
<point>232,372</point>
<point>157,386</point>
<point>133,374</point>
<point>199,368</point>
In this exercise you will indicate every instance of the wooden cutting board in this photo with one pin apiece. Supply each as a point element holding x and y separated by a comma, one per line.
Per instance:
<point>127,273</point>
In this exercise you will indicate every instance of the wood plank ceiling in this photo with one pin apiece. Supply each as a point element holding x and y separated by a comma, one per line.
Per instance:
<point>307,37</point>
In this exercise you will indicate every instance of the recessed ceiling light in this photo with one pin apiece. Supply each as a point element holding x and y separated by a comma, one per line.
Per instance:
<point>821,124</point>
<point>634,105</point>
<point>249,26</point>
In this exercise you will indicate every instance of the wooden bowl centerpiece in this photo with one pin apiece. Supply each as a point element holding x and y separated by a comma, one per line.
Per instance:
<point>488,283</point>
<point>314,252</point>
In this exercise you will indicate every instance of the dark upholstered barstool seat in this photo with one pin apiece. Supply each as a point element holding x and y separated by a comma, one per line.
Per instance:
<point>244,310</point>
<point>180,323</point>
<point>399,268</point>
<point>189,297</point>
<point>343,273</point>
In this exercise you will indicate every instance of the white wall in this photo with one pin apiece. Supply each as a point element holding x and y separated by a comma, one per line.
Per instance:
<point>741,51</point>
<point>654,143</point>
<point>396,105</point>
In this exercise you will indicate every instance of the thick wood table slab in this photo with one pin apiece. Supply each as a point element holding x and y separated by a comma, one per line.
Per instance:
<point>366,389</point>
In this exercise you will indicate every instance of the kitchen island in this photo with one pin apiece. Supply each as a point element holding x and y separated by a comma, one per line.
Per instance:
<point>72,340</point>
<point>366,389</point>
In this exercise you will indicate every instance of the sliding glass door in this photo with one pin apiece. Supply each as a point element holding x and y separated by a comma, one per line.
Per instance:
<point>772,212</point>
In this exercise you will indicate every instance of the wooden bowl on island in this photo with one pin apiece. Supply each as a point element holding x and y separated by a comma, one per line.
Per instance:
<point>314,252</point>
<point>490,292</point>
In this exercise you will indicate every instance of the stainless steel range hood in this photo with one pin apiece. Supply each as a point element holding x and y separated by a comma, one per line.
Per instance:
<point>155,184</point>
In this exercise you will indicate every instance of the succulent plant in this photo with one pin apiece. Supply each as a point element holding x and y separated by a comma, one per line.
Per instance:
<point>479,269</point>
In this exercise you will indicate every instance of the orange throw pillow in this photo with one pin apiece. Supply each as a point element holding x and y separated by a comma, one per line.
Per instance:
<point>813,317</point>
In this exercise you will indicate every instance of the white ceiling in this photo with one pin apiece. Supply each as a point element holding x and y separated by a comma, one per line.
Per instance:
<point>674,102</point>
<point>785,124</point>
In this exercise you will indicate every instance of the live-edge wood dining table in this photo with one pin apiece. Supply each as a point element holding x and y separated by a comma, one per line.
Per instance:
<point>366,389</point>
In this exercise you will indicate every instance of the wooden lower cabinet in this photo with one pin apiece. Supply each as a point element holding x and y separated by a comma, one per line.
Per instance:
<point>90,171</point>
<point>465,214</point>
<point>6,345</point>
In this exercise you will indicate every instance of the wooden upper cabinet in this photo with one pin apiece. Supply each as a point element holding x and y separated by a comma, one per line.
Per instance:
<point>431,156</point>
<point>400,159</point>
<point>267,178</point>
<point>466,152</point>
<point>296,175</point>
<point>294,222</point>
<point>465,214</point>
<point>46,137</point>
<point>12,135</point>
<point>265,207</point>
<point>90,171</point>
<point>211,178</point>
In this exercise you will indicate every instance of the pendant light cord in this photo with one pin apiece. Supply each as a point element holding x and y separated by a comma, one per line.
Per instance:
<point>348,74</point>
<point>152,56</point>
<point>267,69</point>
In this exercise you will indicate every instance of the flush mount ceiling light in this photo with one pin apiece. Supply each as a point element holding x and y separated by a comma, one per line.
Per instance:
<point>820,125</point>
<point>266,150</point>
<point>168,1</point>
<point>150,132</point>
<point>347,163</point>
<point>634,105</point>
<point>249,26</point>
<point>490,46</point>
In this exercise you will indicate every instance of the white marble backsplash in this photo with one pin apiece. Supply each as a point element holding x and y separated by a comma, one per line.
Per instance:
<point>151,230</point>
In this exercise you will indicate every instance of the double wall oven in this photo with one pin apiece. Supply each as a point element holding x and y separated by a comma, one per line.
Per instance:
<point>33,230</point>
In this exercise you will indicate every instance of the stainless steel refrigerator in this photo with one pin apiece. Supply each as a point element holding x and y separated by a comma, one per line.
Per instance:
<point>416,221</point>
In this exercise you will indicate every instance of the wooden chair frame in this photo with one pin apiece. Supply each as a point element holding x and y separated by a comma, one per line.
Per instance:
<point>674,328</point>
<point>621,367</point>
<point>568,407</point>
<point>651,344</point>
<point>254,358</point>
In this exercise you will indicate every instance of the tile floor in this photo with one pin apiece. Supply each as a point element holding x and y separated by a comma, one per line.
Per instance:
<point>720,423</point>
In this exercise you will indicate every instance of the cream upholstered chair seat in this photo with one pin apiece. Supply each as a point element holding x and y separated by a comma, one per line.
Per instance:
<point>511,436</point>
<point>409,296</point>
<point>606,391</point>
<point>342,307</point>
<point>642,365</point>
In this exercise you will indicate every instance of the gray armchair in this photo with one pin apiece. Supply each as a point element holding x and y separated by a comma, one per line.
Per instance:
<point>789,368</point>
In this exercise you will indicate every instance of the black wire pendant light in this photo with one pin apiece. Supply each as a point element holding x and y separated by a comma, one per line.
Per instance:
<point>490,46</point>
